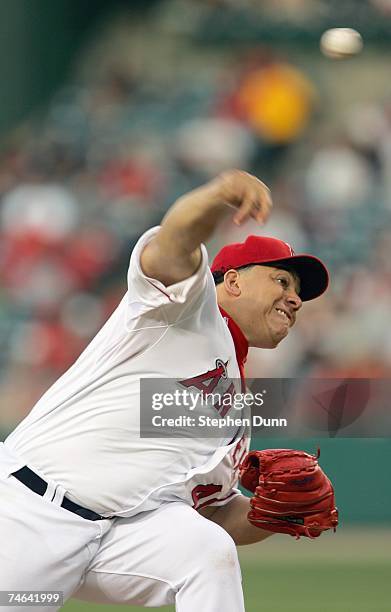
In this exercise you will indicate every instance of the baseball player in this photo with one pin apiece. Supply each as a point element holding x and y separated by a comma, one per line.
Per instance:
<point>90,508</point>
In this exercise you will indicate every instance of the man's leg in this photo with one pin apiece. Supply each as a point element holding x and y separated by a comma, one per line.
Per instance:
<point>43,547</point>
<point>168,555</point>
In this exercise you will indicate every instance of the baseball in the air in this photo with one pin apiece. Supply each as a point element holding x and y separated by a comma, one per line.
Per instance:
<point>340,43</point>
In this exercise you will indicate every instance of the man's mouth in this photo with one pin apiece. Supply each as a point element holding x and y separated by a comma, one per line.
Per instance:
<point>285,315</point>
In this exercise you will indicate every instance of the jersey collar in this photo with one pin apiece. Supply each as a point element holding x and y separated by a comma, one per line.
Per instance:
<point>240,341</point>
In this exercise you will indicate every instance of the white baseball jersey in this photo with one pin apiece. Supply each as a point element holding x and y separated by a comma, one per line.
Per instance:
<point>84,431</point>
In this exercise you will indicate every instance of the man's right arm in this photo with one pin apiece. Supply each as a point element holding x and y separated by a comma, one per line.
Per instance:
<point>233,518</point>
<point>174,253</point>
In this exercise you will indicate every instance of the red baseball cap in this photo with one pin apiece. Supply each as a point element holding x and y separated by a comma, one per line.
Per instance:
<point>313,274</point>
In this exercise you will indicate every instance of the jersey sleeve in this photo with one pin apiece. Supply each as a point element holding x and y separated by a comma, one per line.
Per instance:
<point>227,498</point>
<point>208,493</point>
<point>146,294</point>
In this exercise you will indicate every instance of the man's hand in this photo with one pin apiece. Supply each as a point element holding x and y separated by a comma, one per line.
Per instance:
<point>246,193</point>
<point>292,494</point>
<point>174,254</point>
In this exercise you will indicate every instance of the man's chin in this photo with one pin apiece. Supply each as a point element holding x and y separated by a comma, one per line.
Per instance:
<point>271,342</point>
<point>277,337</point>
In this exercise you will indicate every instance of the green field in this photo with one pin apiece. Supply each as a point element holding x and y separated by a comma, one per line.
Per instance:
<point>349,571</point>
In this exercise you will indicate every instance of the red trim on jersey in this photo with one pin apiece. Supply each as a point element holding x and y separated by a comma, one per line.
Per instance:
<point>215,499</point>
<point>240,342</point>
<point>240,452</point>
<point>161,290</point>
<point>206,490</point>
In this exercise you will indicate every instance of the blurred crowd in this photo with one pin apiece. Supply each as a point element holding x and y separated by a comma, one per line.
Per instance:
<point>130,133</point>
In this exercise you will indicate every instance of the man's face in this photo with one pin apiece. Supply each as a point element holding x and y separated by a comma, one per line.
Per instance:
<point>268,305</point>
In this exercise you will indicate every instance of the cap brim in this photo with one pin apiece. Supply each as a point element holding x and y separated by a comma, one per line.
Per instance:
<point>313,274</point>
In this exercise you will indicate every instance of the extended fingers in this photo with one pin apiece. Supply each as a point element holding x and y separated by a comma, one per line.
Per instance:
<point>264,200</point>
<point>245,192</point>
<point>256,204</point>
<point>247,209</point>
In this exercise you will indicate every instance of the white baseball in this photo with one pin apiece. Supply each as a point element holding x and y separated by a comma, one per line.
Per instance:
<point>339,43</point>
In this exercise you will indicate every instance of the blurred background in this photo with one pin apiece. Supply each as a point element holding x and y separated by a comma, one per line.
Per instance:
<point>110,110</point>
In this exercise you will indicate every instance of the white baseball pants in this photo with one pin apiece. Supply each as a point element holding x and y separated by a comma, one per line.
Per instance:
<point>168,555</point>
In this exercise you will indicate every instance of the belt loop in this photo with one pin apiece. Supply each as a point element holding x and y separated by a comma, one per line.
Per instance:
<point>53,492</point>
<point>59,495</point>
<point>48,495</point>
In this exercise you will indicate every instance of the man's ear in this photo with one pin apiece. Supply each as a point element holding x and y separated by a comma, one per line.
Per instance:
<point>232,284</point>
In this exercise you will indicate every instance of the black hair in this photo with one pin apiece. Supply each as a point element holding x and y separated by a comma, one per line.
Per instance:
<point>218,276</point>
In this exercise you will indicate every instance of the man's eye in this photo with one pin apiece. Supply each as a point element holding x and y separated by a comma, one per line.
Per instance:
<point>284,281</point>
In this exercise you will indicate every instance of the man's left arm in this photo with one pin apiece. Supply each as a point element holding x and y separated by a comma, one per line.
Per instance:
<point>291,495</point>
<point>233,518</point>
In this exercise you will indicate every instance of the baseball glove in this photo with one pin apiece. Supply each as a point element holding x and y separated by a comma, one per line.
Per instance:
<point>291,492</point>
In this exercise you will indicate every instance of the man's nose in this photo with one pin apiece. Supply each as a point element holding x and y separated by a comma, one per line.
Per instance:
<point>294,300</point>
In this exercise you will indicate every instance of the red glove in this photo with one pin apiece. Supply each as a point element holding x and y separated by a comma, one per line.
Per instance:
<point>291,493</point>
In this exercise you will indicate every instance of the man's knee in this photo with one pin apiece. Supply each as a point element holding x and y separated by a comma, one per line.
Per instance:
<point>216,551</point>
<point>213,579</point>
